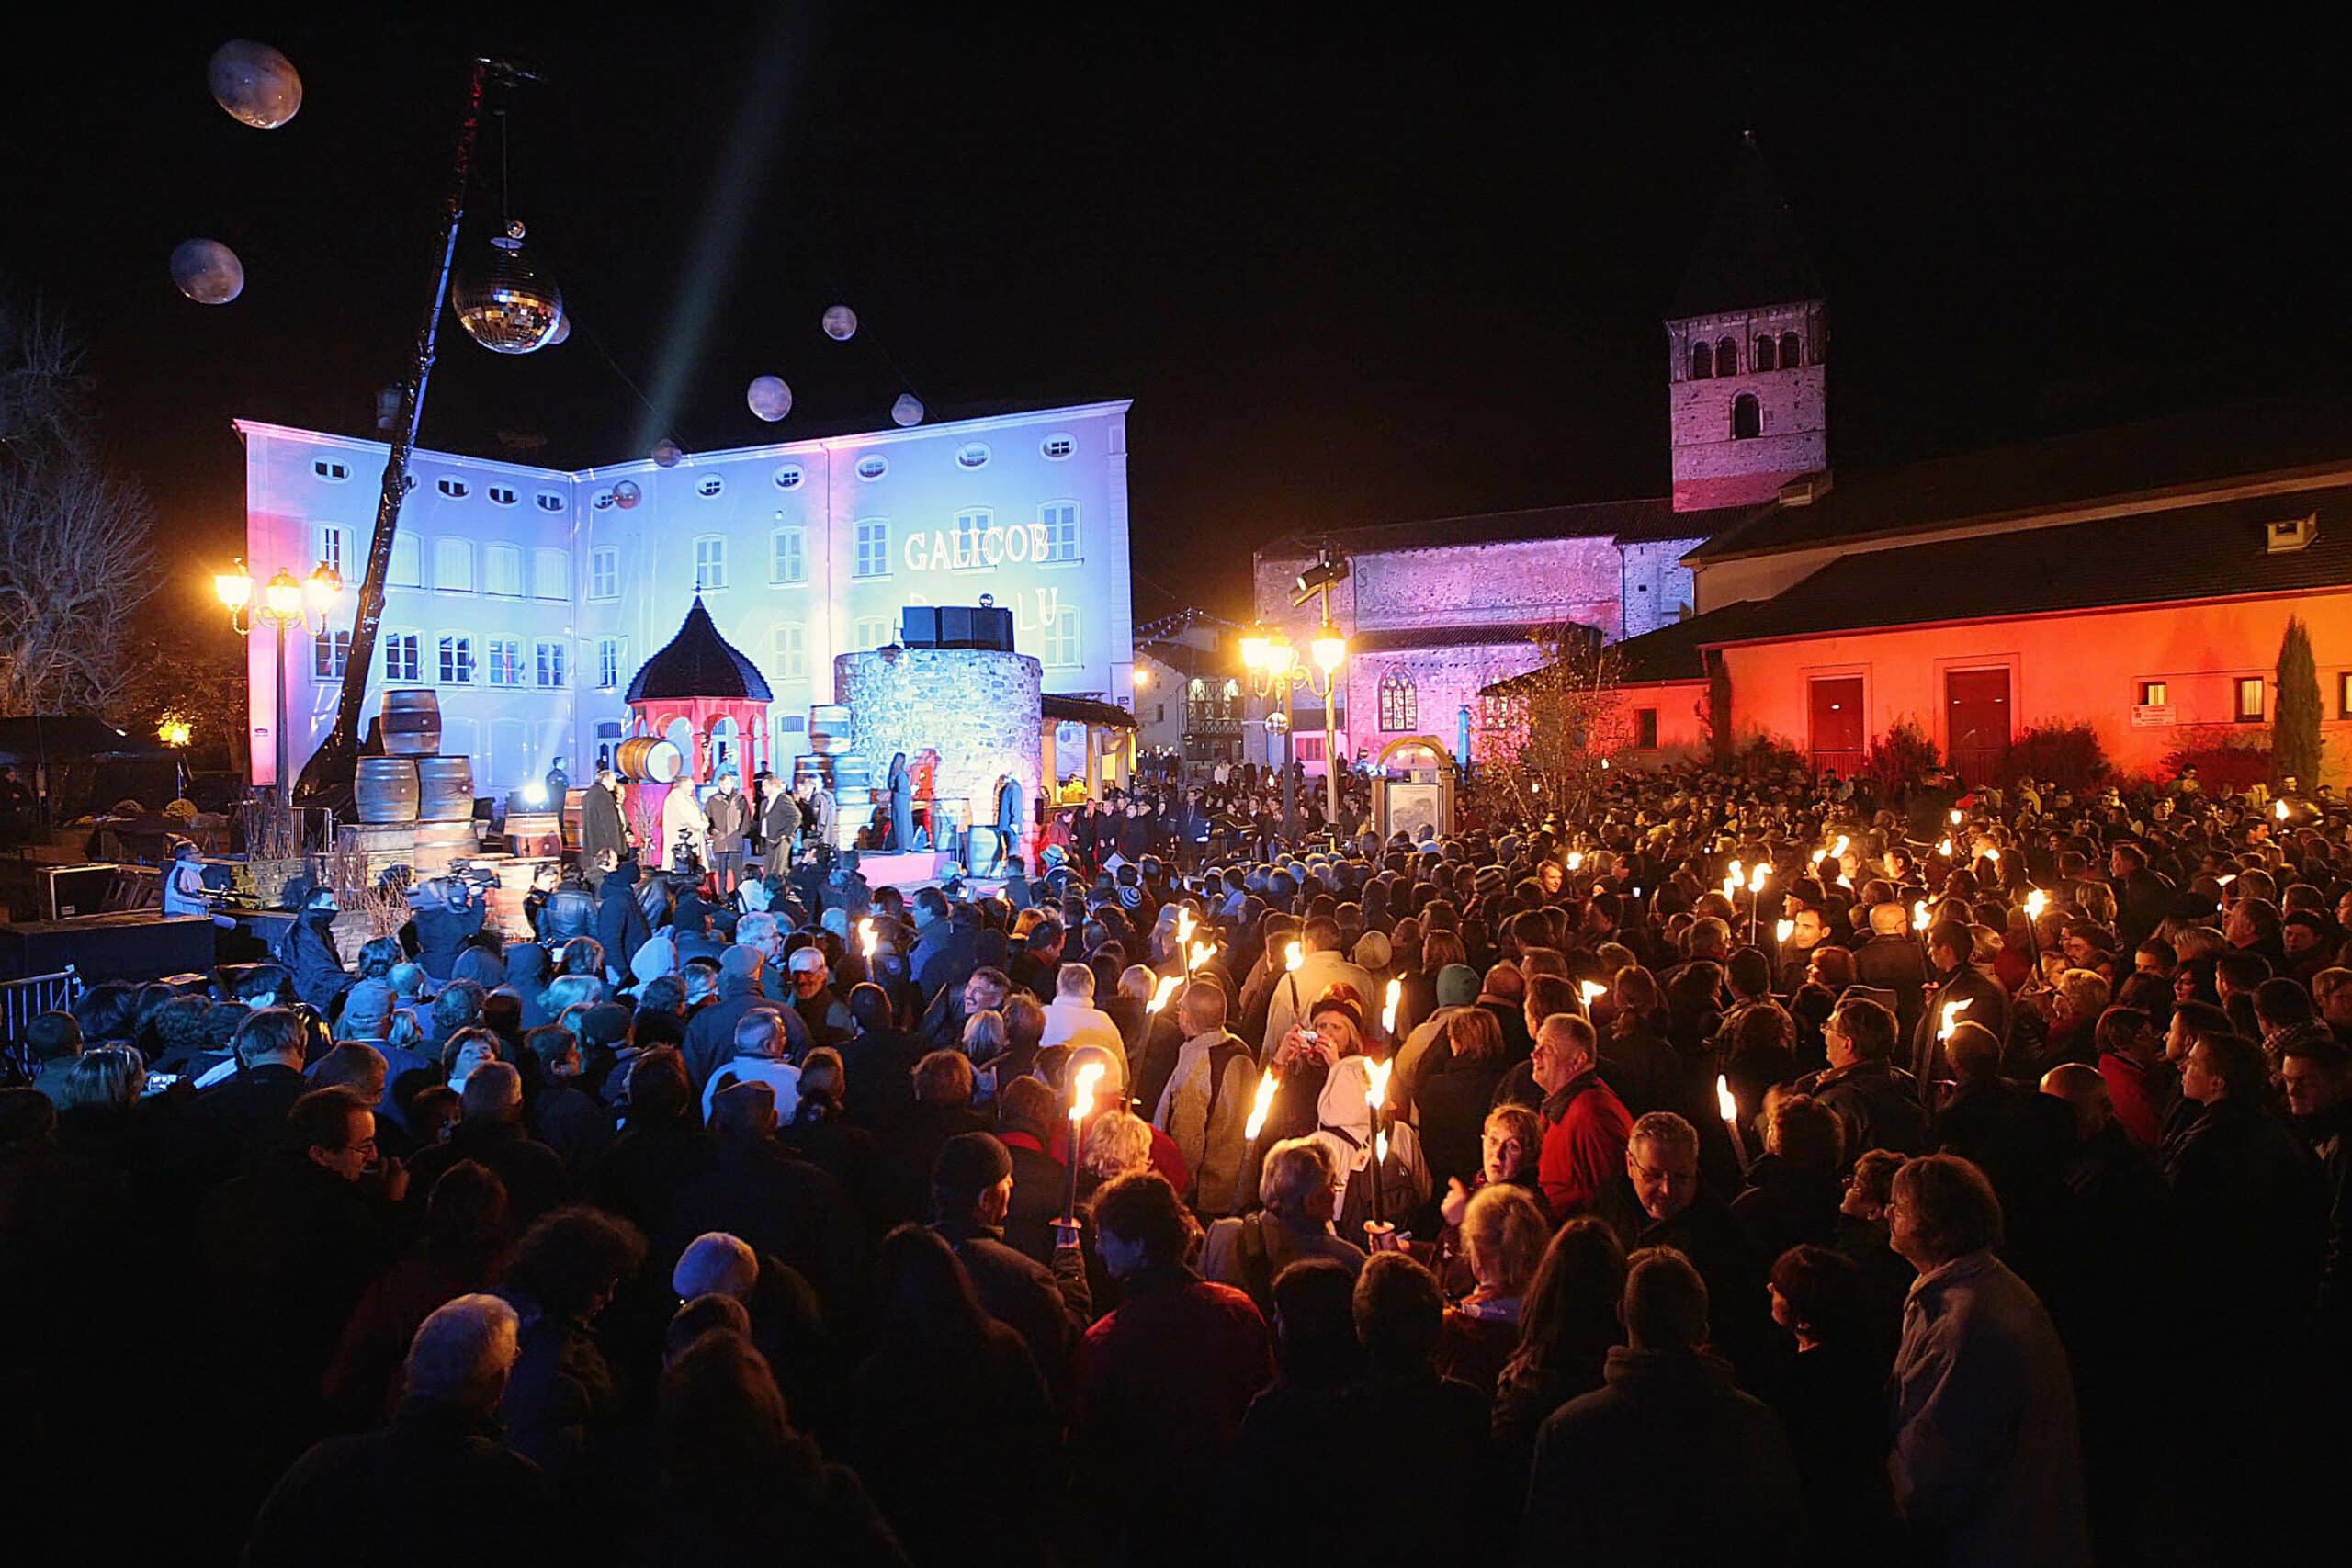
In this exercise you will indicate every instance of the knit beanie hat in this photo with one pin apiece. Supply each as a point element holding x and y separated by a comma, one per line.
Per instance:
<point>1457,986</point>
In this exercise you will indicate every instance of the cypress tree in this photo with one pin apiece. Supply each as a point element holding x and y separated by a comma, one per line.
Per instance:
<point>2294,737</point>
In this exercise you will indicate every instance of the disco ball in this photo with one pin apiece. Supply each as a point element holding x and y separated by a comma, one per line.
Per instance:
<point>666,453</point>
<point>908,410</point>
<point>208,271</point>
<point>256,84</point>
<point>503,304</point>
<point>562,329</point>
<point>769,398</point>
<point>841,323</point>
<point>627,495</point>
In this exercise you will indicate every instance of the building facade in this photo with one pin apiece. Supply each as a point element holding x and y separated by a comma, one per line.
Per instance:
<point>527,597</point>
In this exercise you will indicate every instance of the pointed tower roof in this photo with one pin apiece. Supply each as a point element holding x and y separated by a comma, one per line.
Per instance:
<point>699,663</point>
<point>1751,254</point>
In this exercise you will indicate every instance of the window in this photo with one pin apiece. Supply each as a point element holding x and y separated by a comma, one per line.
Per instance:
<point>550,573</point>
<point>1791,350</point>
<point>2153,694</point>
<point>709,487</point>
<point>330,655</point>
<point>1307,748</point>
<point>788,555</point>
<point>972,454</point>
<point>2250,689</point>
<point>400,657</point>
<point>548,500</point>
<point>553,663</point>
<point>329,469</point>
<point>457,666</point>
<point>710,563</point>
<point>789,476</point>
<point>503,496</point>
<point>1061,638</point>
<point>1746,417</point>
<point>502,570</point>
<point>1645,729</point>
<point>873,467</point>
<point>1058,446</point>
<point>2344,696</point>
<point>453,565</point>
<point>1765,354</point>
<point>608,662</point>
<point>971,532</point>
<point>1400,704</point>
<point>602,501</point>
<point>331,541</point>
<point>873,557</point>
<point>456,489</point>
<point>1702,361</point>
<point>604,572</point>
<point>790,650</point>
<point>1061,520</point>
<point>506,662</point>
<point>870,635</point>
<point>408,562</point>
<point>1728,356</point>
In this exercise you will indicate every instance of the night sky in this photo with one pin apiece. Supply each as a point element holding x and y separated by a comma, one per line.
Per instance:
<point>1351,269</point>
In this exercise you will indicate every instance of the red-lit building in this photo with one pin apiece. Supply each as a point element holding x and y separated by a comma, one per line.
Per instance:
<point>2135,579</point>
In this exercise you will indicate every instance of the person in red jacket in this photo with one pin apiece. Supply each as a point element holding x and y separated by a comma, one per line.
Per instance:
<point>1584,1124</point>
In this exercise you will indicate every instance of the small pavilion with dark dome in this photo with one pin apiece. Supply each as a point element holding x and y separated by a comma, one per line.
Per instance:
<point>702,695</point>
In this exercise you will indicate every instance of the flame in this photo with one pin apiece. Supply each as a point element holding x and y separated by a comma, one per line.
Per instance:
<point>1839,848</point>
<point>1725,1106</point>
<point>1183,929</point>
<point>1293,956</point>
<point>1993,855</point>
<point>866,936</point>
<point>1380,1139</point>
<point>1167,989</point>
<point>1784,929</point>
<point>2034,904</point>
<point>1375,1090</point>
<point>1389,1012</point>
<point>1951,1015</point>
<point>1738,872</point>
<point>1955,817</point>
<point>1731,886</point>
<point>2280,811</point>
<point>1920,915</point>
<point>1943,848</point>
<point>1756,879</point>
<point>1081,1094</point>
<point>1199,955</point>
<point>1818,856</point>
<point>1591,990</point>
<point>1576,860</point>
<point>1258,1108</point>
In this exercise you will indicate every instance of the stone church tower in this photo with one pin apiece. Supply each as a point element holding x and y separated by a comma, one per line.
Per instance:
<point>1748,346</point>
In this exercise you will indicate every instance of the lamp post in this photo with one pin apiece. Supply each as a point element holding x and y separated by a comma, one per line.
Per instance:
<point>1275,669</point>
<point>285,601</point>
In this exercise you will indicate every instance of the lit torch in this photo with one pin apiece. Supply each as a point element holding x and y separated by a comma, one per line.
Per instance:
<point>1081,1106</point>
<point>2280,811</point>
<point>1576,860</point>
<point>1388,1009</point>
<point>867,938</point>
<point>1375,1095</point>
<point>2035,902</point>
<point>1183,929</point>
<point>1160,995</point>
<point>1728,1107</point>
<point>1198,955</point>
<point>1260,1108</point>
<point>1591,991</point>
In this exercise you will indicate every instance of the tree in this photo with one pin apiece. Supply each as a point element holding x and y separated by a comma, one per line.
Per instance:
<point>73,536</point>
<point>1551,733</point>
<point>2294,734</point>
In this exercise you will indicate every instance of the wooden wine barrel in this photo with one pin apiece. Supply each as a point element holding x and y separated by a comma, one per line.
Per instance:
<point>445,789</point>
<point>411,721</point>
<point>386,788</point>
<point>810,769</point>
<point>849,771</point>
<point>647,759</point>
<point>829,729</point>
<point>534,833</point>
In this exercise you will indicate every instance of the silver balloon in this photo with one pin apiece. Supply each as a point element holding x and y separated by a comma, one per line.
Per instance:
<point>503,301</point>
<point>562,329</point>
<point>666,453</point>
<point>908,410</point>
<point>841,323</point>
<point>769,398</point>
<point>208,271</point>
<point>627,495</point>
<point>256,84</point>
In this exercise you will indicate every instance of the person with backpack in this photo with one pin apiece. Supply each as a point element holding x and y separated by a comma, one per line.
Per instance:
<point>1205,1105</point>
<point>1300,1189</point>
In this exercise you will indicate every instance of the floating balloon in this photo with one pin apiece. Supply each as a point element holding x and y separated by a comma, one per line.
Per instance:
<point>769,398</point>
<point>256,84</point>
<point>841,323</point>
<point>625,494</point>
<point>908,410</point>
<point>666,453</point>
<point>208,271</point>
<point>562,329</point>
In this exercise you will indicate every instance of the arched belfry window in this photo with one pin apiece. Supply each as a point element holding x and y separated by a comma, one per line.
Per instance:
<point>1702,361</point>
<point>1764,352</point>
<point>1728,356</point>
<point>1791,350</point>
<point>1746,417</point>
<point>1399,704</point>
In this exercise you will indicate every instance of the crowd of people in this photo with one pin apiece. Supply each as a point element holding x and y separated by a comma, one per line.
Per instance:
<point>1737,1169</point>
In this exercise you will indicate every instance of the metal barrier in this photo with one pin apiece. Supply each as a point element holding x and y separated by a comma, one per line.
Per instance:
<point>23,1000</point>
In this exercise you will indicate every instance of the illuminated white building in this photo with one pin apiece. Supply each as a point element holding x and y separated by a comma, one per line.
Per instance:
<point>526,597</point>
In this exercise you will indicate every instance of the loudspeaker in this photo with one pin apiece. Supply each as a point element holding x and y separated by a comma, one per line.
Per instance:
<point>919,625</point>
<point>968,625</point>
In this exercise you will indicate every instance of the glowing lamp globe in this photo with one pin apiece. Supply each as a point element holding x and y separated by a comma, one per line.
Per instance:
<point>1330,651</point>
<point>235,589</point>
<point>208,271</point>
<point>283,595</point>
<point>1280,656</point>
<point>768,398</point>
<point>1254,650</point>
<point>907,410</point>
<point>667,453</point>
<point>257,85</point>
<point>841,323</point>
<point>322,588</point>
<point>503,301</point>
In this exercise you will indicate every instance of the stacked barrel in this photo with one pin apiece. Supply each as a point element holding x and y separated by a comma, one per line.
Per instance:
<point>836,765</point>
<point>412,782</point>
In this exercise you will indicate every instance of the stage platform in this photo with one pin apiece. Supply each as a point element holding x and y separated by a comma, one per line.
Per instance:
<point>926,868</point>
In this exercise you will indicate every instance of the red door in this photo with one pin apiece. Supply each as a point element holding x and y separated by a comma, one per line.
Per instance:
<point>1976,722</point>
<point>1837,729</point>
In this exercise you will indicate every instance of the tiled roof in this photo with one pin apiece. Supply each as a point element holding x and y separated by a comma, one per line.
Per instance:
<point>1084,710</point>
<point>699,663</point>
<point>1637,521</point>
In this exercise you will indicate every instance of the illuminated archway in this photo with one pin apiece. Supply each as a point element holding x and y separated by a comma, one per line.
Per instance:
<point>1429,743</point>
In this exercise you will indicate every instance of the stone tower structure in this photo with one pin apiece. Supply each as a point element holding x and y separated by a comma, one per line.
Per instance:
<point>1748,348</point>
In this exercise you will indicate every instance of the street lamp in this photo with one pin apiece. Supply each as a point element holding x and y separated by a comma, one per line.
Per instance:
<point>284,601</point>
<point>1275,670</point>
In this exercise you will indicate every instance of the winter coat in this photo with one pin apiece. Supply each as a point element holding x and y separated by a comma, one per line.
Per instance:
<point>1878,1102</point>
<point>728,814</point>
<point>307,950</point>
<point>1585,1130</point>
<point>621,927</point>
<point>571,912</point>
